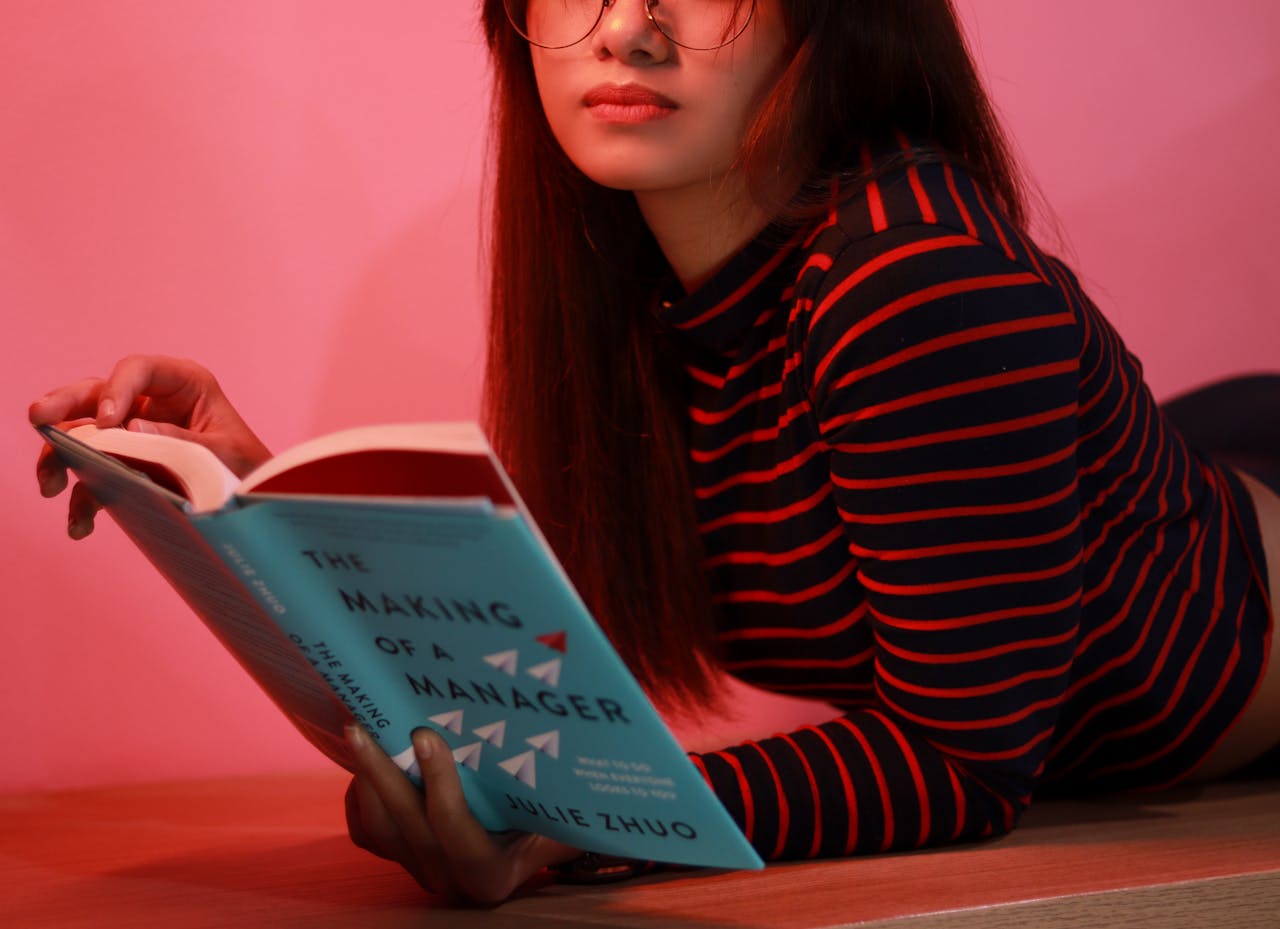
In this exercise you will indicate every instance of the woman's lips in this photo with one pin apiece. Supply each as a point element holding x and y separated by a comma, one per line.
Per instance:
<point>627,103</point>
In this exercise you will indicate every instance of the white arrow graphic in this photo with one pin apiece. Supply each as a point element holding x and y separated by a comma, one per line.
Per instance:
<point>546,742</point>
<point>493,733</point>
<point>469,755</point>
<point>548,672</point>
<point>504,661</point>
<point>521,767</point>
<point>451,721</point>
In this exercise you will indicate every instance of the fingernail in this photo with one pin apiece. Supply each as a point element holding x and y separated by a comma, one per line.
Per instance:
<point>78,528</point>
<point>356,736</point>
<point>422,746</point>
<point>106,409</point>
<point>142,425</point>
<point>52,486</point>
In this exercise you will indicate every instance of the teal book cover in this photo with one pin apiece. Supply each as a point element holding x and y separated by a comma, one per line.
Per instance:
<point>455,616</point>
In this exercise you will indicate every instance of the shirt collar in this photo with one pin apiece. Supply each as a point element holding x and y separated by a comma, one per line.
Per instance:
<point>718,315</point>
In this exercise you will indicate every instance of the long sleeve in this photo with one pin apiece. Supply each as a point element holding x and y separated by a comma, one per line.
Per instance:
<point>935,492</point>
<point>944,390</point>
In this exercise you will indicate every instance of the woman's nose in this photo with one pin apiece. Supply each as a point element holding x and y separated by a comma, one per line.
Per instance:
<point>626,32</point>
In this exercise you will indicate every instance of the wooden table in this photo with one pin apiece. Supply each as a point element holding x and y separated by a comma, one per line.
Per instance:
<point>272,851</point>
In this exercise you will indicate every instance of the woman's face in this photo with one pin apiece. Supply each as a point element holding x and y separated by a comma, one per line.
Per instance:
<point>634,111</point>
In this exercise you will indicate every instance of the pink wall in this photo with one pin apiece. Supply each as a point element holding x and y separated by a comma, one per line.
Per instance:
<point>289,191</point>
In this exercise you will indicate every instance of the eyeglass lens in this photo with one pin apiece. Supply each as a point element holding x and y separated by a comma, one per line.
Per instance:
<point>693,24</point>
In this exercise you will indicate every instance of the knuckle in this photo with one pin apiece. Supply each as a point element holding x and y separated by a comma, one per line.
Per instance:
<point>355,824</point>
<point>358,838</point>
<point>129,363</point>
<point>492,891</point>
<point>426,882</point>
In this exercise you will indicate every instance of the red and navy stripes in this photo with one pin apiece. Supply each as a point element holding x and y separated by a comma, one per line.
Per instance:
<point>935,493</point>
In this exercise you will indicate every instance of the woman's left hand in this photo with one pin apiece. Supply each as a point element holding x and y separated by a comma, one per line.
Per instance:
<point>431,832</point>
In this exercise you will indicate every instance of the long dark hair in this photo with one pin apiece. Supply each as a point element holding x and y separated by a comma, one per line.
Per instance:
<point>584,400</point>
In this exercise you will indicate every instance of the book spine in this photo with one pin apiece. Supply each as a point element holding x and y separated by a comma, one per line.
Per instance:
<point>158,522</point>
<point>275,566</point>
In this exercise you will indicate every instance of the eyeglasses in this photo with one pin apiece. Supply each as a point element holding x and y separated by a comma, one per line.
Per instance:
<point>699,25</point>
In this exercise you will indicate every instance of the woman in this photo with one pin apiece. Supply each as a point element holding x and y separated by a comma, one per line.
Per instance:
<point>792,393</point>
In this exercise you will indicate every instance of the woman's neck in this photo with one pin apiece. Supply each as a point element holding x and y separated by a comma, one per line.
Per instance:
<point>700,228</point>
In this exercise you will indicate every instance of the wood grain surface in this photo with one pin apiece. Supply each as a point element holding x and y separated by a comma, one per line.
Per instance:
<point>272,851</point>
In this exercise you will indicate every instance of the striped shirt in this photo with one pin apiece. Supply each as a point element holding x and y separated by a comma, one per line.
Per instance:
<point>935,493</point>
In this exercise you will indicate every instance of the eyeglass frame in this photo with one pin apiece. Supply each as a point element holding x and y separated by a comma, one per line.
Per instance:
<point>648,11</point>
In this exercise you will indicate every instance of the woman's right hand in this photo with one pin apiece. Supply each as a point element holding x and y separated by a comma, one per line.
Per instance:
<point>145,393</point>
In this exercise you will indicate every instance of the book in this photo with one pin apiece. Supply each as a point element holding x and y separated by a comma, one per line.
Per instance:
<point>391,575</point>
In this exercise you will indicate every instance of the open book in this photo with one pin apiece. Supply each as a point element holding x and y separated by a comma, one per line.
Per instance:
<point>391,575</point>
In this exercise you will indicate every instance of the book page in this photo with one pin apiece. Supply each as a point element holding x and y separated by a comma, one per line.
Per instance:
<point>185,468</point>
<point>396,460</point>
<point>412,460</point>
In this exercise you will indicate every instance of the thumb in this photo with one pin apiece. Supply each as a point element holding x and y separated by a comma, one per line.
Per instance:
<point>478,866</point>
<point>485,868</point>
<point>446,804</point>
